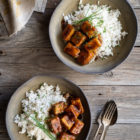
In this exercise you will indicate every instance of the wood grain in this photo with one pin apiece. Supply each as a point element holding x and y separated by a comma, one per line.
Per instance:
<point>29,53</point>
<point>120,132</point>
<point>37,29</point>
<point>126,97</point>
<point>135,3</point>
<point>137,11</point>
<point>54,3</point>
<point>116,132</point>
<point>28,62</point>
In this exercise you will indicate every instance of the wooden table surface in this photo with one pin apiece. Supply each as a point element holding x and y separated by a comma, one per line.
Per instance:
<point>29,53</point>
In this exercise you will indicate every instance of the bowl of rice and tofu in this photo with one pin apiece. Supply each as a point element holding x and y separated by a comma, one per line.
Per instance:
<point>93,36</point>
<point>48,108</point>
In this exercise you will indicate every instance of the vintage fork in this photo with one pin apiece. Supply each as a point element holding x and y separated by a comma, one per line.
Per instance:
<point>99,120</point>
<point>99,127</point>
<point>107,117</point>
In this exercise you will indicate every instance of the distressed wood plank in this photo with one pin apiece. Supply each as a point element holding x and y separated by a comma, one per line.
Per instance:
<point>116,132</point>
<point>19,64</point>
<point>17,55</point>
<point>137,11</point>
<point>36,32</point>
<point>135,3</point>
<point>126,97</point>
<point>128,106</point>
<point>54,3</point>
<point>120,132</point>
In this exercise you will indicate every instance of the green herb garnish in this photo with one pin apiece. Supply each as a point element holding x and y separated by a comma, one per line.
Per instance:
<point>100,23</point>
<point>42,127</point>
<point>92,16</point>
<point>104,30</point>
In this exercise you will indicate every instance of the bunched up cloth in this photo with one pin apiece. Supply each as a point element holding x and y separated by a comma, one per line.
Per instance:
<point>16,13</point>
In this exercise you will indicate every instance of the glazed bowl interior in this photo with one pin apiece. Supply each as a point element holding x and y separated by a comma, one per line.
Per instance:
<point>129,23</point>
<point>14,106</point>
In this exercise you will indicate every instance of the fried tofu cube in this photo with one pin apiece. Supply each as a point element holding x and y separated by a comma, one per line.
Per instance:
<point>85,57</point>
<point>56,125</point>
<point>72,50</point>
<point>67,122</point>
<point>59,108</point>
<point>73,111</point>
<point>68,32</point>
<point>87,28</point>
<point>78,39</point>
<point>93,45</point>
<point>65,136</point>
<point>77,128</point>
<point>77,102</point>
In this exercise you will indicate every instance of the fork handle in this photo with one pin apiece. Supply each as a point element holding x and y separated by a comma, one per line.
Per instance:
<point>97,132</point>
<point>104,133</point>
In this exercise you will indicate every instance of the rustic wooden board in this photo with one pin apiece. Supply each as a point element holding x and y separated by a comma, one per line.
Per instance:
<point>29,53</point>
<point>15,62</point>
<point>116,132</point>
<point>41,21</point>
<point>137,11</point>
<point>135,3</point>
<point>127,99</point>
<point>120,132</point>
<point>37,30</point>
<point>53,3</point>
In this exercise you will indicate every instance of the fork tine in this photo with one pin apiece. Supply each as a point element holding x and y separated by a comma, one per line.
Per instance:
<point>108,108</point>
<point>112,113</point>
<point>108,116</point>
<point>111,109</point>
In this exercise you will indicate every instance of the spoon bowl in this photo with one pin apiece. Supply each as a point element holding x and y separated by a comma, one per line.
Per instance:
<point>114,119</point>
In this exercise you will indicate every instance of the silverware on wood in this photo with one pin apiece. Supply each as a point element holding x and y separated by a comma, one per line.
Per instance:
<point>99,120</point>
<point>109,117</point>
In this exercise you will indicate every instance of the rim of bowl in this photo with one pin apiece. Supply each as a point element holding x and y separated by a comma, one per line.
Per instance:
<point>87,72</point>
<point>53,76</point>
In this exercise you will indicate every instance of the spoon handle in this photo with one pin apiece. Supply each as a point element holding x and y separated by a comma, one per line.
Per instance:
<point>97,132</point>
<point>104,133</point>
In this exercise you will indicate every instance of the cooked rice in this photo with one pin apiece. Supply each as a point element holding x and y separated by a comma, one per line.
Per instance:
<point>106,22</point>
<point>37,102</point>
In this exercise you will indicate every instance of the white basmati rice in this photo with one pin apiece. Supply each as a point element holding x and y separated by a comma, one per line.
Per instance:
<point>106,22</point>
<point>39,102</point>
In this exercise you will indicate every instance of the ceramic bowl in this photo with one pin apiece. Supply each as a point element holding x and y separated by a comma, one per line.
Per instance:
<point>14,106</point>
<point>129,23</point>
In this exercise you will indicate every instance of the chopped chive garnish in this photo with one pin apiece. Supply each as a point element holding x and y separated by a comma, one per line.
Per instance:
<point>42,127</point>
<point>93,15</point>
<point>100,23</point>
<point>104,30</point>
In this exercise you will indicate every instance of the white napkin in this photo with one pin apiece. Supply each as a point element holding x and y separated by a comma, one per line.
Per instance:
<point>16,13</point>
<point>40,5</point>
